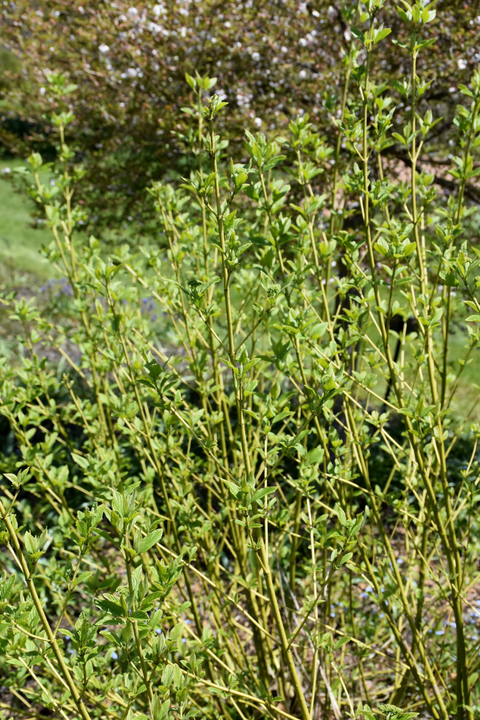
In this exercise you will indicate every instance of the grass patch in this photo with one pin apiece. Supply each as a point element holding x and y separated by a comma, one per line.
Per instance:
<point>20,242</point>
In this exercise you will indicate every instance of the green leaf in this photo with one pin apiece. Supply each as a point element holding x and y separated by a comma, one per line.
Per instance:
<point>107,634</point>
<point>81,461</point>
<point>341,514</point>
<point>163,710</point>
<point>315,455</point>
<point>113,608</point>
<point>176,633</point>
<point>191,81</point>
<point>381,34</point>
<point>234,489</point>
<point>367,713</point>
<point>208,83</point>
<point>450,280</point>
<point>106,536</point>
<point>281,416</point>
<point>358,34</point>
<point>83,577</point>
<point>149,541</point>
<point>465,90</point>
<point>318,330</point>
<point>262,492</point>
<point>409,249</point>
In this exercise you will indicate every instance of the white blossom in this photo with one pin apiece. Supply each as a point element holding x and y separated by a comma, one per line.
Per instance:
<point>42,91</point>
<point>104,48</point>
<point>462,64</point>
<point>303,42</point>
<point>159,10</point>
<point>257,122</point>
<point>243,99</point>
<point>255,56</point>
<point>302,74</point>
<point>132,12</point>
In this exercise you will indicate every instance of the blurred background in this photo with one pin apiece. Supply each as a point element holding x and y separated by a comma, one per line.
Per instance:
<point>274,60</point>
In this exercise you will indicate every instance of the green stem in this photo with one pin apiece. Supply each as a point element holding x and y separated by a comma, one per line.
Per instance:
<point>43,618</point>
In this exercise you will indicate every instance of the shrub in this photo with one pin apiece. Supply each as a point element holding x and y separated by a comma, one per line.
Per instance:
<point>237,483</point>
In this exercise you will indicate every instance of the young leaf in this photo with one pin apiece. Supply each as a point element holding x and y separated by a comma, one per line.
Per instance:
<point>259,494</point>
<point>149,541</point>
